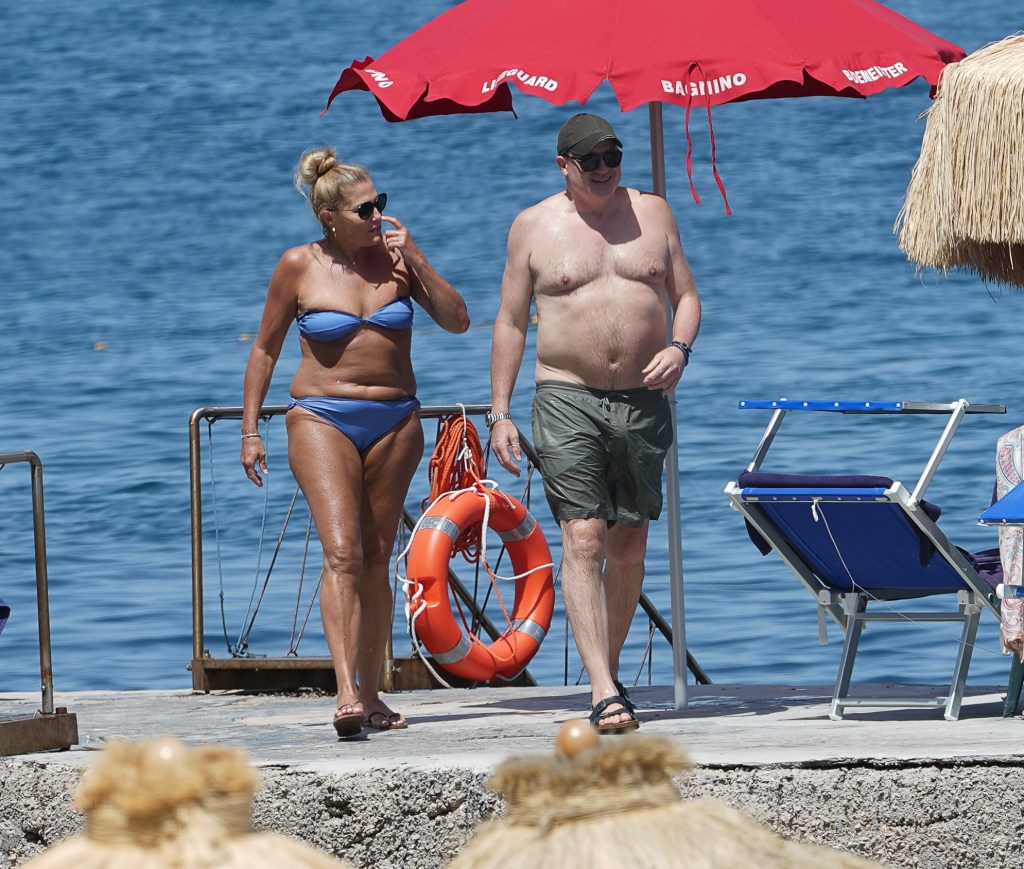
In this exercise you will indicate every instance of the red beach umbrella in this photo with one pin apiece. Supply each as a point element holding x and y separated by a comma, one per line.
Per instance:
<point>686,52</point>
<point>690,53</point>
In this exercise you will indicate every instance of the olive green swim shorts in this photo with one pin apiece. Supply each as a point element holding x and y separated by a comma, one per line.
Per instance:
<point>601,453</point>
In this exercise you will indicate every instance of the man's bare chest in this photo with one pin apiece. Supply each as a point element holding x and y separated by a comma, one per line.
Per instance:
<point>564,264</point>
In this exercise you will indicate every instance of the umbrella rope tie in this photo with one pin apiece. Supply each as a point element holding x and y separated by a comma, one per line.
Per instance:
<point>689,139</point>
<point>455,464</point>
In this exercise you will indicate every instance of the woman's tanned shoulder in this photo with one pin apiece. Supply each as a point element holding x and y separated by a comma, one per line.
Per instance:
<point>297,259</point>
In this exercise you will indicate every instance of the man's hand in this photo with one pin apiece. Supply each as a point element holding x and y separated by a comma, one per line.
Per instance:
<point>665,369</point>
<point>505,445</point>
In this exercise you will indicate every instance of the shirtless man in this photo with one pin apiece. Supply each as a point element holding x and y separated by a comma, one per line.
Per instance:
<point>604,266</point>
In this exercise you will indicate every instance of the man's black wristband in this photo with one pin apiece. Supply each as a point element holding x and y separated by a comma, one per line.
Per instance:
<point>681,345</point>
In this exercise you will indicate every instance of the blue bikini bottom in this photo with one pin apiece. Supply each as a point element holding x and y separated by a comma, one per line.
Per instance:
<point>361,420</point>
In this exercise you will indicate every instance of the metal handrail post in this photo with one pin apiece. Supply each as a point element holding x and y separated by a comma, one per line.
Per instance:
<point>42,583</point>
<point>196,495</point>
<point>195,492</point>
<point>42,578</point>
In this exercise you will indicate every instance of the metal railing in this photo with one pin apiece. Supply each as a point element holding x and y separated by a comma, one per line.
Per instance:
<point>53,728</point>
<point>201,660</point>
<point>239,672</point>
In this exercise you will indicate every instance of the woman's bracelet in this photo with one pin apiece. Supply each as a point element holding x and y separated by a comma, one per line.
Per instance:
<point>681,345</point>
<point>250,434</point>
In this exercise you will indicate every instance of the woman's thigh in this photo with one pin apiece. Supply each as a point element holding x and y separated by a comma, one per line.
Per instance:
<point>388,468</point>
<point>329,470</point>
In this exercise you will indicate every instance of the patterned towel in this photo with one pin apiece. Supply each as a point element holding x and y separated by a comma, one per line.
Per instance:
<point>1009,471</point>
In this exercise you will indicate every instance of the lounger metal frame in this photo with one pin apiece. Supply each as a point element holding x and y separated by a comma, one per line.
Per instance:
<point>849,609</point>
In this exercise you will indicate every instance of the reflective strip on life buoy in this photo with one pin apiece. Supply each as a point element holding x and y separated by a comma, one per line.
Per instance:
<point>430,551</point>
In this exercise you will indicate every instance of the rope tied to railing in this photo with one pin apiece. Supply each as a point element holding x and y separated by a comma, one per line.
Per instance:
<point>456,464</point>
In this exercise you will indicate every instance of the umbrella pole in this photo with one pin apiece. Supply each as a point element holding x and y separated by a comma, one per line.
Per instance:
<point>675,540</point>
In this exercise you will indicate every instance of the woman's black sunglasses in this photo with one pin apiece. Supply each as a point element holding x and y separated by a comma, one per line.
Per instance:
<point>589,163</point>
<point>365,209</point>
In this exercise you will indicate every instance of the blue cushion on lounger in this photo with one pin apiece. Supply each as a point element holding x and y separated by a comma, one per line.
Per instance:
<point>764,480</point>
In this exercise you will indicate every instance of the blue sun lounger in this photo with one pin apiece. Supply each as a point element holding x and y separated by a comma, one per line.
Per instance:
<point>856,541</point>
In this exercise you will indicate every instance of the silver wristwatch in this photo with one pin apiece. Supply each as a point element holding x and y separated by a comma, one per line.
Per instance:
<point>491,418</point>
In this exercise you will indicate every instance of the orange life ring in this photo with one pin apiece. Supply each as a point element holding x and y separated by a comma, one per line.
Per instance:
<point>430,552</point>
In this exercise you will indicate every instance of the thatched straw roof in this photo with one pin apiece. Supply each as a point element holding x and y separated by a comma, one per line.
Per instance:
<point>964,207</point>
<point>161,805</point>
<point>617,805</point>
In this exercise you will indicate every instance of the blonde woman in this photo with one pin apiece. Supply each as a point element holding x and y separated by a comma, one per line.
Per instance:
<point>354,438</point>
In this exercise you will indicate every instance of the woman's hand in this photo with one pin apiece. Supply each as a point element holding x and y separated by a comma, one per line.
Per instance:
<point>254,456</point>
<point>400,239</point>
<point>434,294</point>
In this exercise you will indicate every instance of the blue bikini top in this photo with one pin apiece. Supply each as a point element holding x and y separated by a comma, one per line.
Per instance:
<point>318,325</point>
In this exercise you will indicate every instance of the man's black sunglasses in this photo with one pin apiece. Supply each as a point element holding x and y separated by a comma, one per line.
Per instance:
<point>365,209</point>
<point>589,163</point>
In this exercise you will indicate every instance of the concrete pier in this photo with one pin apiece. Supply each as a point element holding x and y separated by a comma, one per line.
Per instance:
<point>902,787</point>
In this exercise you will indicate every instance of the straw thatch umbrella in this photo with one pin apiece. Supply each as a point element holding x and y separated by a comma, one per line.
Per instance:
<point>964,207</point>
<point>160,805</point>
<point>614,805</point>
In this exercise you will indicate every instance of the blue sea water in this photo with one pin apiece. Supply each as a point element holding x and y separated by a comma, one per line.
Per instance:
<point>145,162</point>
